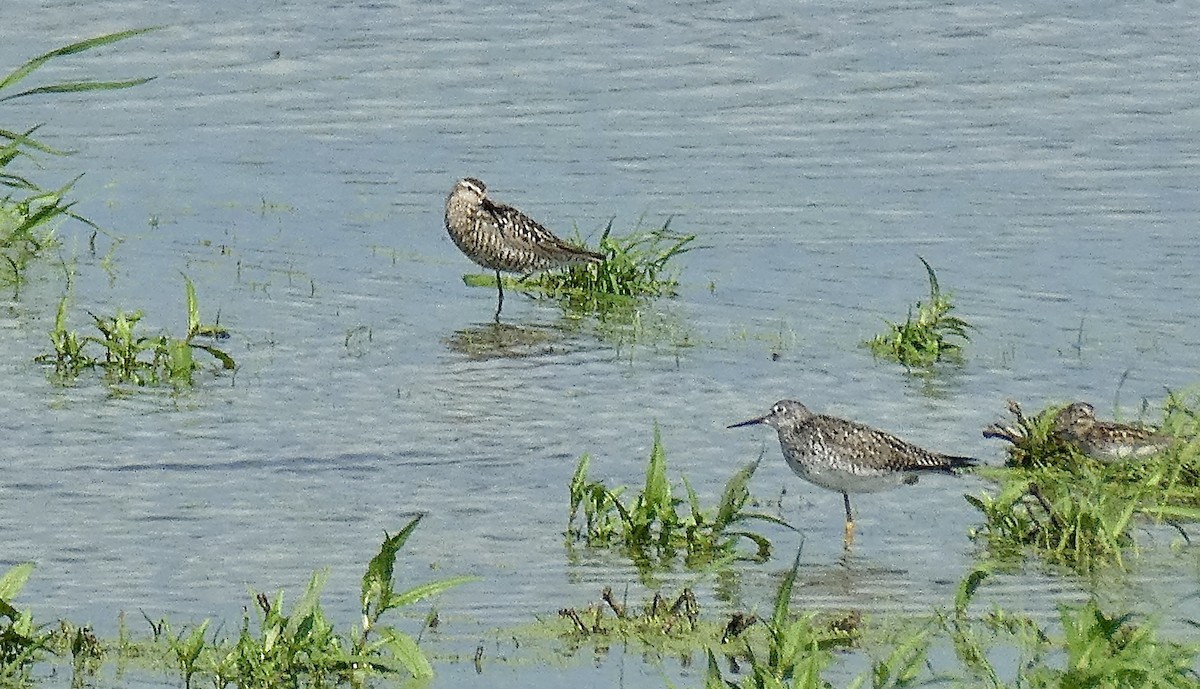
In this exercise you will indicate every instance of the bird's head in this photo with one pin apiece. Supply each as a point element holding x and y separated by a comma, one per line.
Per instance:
<point>783,413</point>
<point>1074,419</point>
<point>470,189</point>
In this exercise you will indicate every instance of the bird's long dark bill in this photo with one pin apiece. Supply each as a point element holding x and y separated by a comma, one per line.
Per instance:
<point>751,422</point>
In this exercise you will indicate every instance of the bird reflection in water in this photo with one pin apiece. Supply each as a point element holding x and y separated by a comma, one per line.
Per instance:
<point>505,341</point>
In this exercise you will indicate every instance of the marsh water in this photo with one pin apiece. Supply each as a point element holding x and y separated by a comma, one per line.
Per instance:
<point>292,159</point>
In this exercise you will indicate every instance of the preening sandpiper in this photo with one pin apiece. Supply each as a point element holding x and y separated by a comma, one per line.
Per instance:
<point>502,238</point>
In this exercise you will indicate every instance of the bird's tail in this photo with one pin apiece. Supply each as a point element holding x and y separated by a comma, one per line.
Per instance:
<point>948,465</point>
<point>575,254</point>
<point>953,464</point>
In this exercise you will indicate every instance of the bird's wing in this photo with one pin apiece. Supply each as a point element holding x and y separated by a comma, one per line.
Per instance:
<point>881,450</point>
<point>527,233</point>
<point>515,225</point>
<point>1127,433</point>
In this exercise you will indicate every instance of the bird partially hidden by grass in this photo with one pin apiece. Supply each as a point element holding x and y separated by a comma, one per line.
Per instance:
<point>1106,441</point>
<point>847,456</point>
<point>503,239</point>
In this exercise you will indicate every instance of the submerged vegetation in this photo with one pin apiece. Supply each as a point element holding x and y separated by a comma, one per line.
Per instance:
<point>929,337</point>
<point>1080,512</point>
<point>652,528</point>
<point>661,623</point>
<point>295,648</point>
<point>28,211</point>
<point>125,355</point>
<point>639,264</point>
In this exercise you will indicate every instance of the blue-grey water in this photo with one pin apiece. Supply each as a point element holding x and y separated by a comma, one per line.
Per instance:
<point>292,160</point>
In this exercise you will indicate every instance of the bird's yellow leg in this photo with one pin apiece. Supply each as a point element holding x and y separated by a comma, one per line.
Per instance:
<point>848,538</point>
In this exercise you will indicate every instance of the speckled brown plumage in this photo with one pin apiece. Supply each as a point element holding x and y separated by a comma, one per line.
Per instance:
<point>847,456</point>
<point>502,238</point>
<point>1105,440</point>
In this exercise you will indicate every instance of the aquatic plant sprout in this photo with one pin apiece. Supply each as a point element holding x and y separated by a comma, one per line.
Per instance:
<point>125,355</point>
<point>928,337</point>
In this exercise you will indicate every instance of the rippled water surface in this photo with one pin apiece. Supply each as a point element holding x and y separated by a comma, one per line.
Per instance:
<point>293,159</point>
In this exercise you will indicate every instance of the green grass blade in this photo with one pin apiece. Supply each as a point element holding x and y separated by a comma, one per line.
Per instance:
<point>26,69</point>
<point>309,603</point>
<point>227,362</point>
<point>769,518</point>
<point>377,580</point>
<point>1176,511</point>
<point>77,86</point>
<point>657,493</point>
<point>578,487</point>
<point>934,290</point>
<point>193,307</point>
<point>14,580</point>
<point>23,140</point>
<point>967,588</point>
<point>424,591</point>
<point>783,598</point>
<point>735,495</point>
<point>405,650</point>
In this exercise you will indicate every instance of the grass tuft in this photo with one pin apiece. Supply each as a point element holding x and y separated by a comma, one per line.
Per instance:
<point>929,337</point>
<point>1094,649</point>
<point>22,642</point>
<point>796,650</point>
<point>998,649</point>
<point>301,647</point>
<point>653,529</point>
<point>125,355</point>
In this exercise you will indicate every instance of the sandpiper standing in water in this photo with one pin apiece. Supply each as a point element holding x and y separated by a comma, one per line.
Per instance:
<point>1106,441</point>
<point>847,456</point>
<point>502,238</point>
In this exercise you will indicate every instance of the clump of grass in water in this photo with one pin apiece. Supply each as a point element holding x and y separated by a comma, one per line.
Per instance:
<point>796,650</point>
<point>926,339</point>
<point>301,646</point>
<point>28,210</point>
<point>639,264</point>
<point>1094,650</point>
<point>22,642</point>
<point>1076,511</point>
<point>1078,519</point>
<point>127,356</point>
<point>651,527</point>
<point>292,648</point>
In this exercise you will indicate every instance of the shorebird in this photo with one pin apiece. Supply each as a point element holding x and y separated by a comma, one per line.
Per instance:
<point>502,238</point>
<point>1106,441</point>
<point>847,456</point>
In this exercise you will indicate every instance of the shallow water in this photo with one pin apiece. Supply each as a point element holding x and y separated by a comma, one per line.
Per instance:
<point>293,162</point>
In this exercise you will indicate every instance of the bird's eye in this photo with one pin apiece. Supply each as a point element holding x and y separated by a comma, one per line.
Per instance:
<point>778,409</point>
